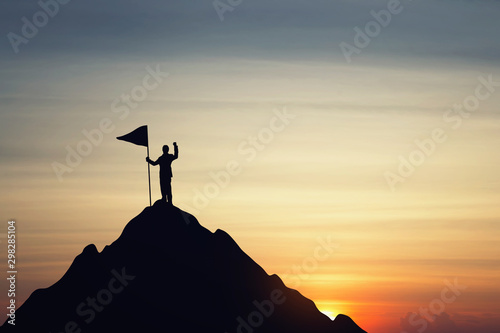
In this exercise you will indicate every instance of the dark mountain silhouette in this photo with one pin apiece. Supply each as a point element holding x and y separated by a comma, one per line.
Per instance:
<point>167,273</point>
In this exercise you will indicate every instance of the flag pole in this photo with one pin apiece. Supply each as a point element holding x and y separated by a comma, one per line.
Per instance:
<point>139,137</point>
<point>149,178</point>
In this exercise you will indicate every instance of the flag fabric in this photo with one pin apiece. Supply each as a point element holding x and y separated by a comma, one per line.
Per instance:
<point>138,136</point>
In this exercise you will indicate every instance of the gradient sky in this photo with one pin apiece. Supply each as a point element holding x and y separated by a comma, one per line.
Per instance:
<point>321,176</point>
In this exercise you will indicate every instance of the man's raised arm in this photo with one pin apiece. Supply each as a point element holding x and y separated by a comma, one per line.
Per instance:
<point>176,151</point>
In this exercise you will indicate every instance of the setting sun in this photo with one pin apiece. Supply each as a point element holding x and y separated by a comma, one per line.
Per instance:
<point>330,314</point>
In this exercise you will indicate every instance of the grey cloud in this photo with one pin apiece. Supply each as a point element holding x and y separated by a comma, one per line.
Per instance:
<point>257,28</point>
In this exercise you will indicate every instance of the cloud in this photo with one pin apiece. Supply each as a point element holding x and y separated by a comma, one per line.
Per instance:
<point>257,28</point>
<point>456,323</point>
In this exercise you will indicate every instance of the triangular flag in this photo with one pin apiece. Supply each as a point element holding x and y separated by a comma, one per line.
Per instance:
<point>138,136</point>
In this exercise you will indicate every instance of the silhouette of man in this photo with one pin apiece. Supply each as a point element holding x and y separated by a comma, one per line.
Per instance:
<point>165,162</point>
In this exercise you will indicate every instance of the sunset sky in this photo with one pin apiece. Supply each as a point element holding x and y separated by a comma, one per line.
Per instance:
<point>391,153</point>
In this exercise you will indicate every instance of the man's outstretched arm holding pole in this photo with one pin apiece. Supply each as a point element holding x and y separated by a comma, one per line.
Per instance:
<point>151,161</point>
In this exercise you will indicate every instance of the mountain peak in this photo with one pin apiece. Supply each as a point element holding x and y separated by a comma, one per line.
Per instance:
<point>167,272</point>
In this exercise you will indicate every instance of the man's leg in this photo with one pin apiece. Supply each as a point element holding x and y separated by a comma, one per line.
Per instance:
<point>164,191</point>
<point>169,191</point>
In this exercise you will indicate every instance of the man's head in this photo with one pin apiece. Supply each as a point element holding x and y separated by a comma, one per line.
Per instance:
<point>165,149</point>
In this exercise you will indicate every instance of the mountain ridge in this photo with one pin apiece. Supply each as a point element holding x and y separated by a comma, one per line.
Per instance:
<point>163,267</point>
